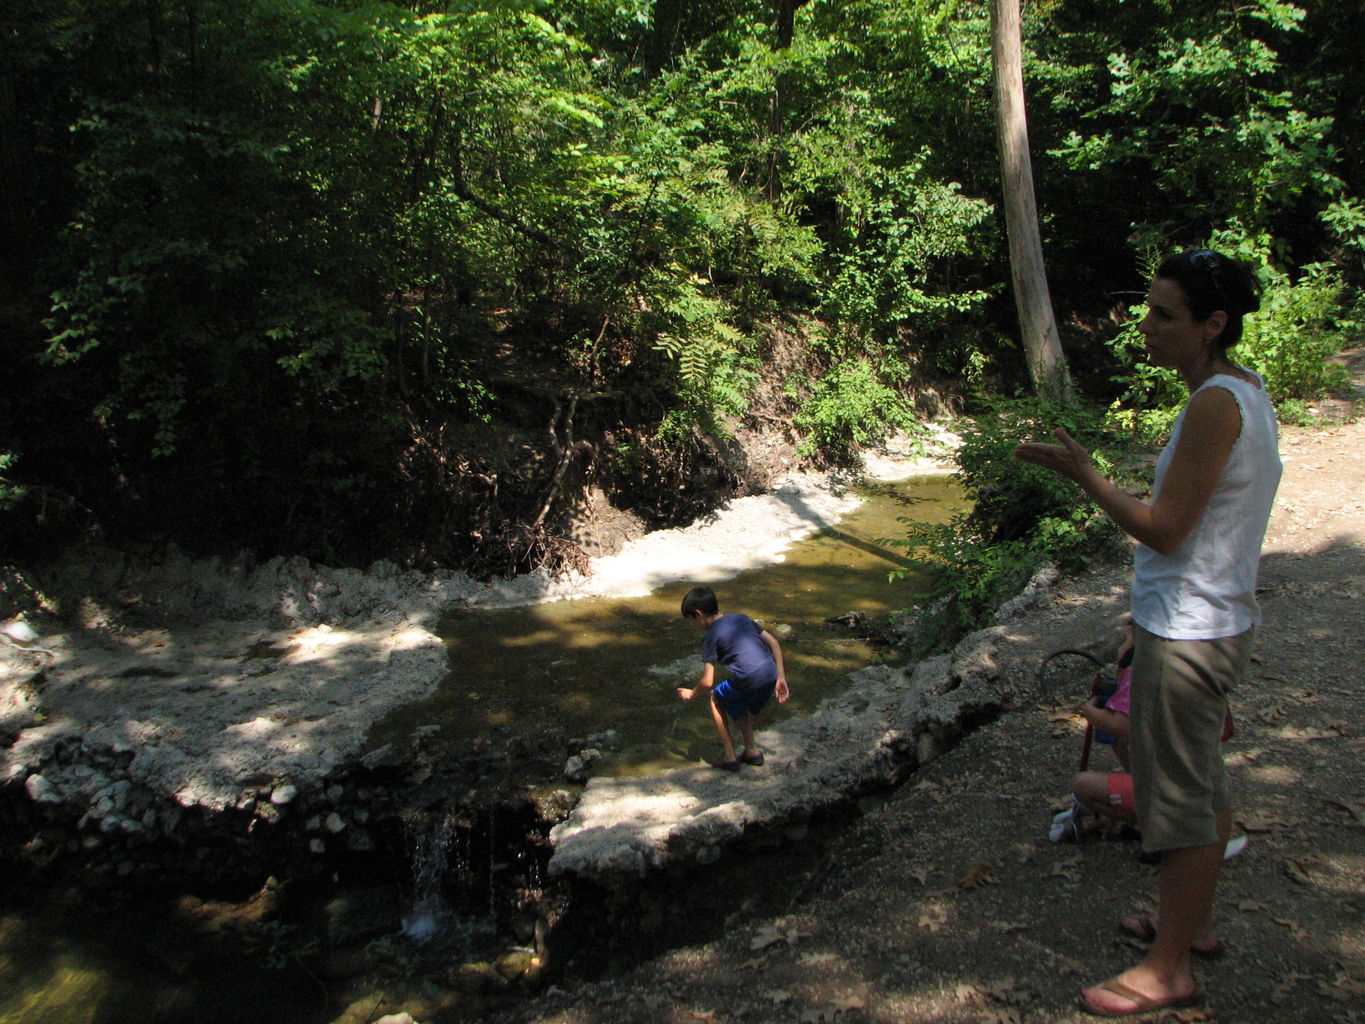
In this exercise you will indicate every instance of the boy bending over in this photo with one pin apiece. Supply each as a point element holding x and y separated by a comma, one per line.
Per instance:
<point>752,659</point>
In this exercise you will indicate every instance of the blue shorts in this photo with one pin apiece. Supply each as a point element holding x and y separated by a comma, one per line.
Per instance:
<point>735,703</point>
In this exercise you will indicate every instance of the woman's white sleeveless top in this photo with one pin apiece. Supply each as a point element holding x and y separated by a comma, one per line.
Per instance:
<point>1206,589</point>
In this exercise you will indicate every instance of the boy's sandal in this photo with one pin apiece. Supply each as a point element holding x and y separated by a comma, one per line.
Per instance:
<point>755,759</point>
<point>728,766</point>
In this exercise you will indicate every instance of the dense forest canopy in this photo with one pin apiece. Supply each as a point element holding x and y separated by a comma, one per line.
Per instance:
<point>356,280</point>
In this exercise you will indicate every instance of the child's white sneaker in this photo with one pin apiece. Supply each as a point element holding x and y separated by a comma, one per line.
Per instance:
<point>1063,831</point>
<point>1234,847</point>
<point>1066,825</point>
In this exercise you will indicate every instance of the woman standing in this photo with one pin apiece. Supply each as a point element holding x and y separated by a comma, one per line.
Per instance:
<point>1193,601</point>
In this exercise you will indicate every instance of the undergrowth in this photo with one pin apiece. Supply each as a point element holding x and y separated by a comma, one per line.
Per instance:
<point>1021,517</point>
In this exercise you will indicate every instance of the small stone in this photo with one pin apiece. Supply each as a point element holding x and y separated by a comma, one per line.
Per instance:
<point>317,846</point>
<point>927,748</point>
<point>335,823</point>
<point>575,769</point>
<point>41,791</point>
<point>514,965</point>
<point>284,794</point>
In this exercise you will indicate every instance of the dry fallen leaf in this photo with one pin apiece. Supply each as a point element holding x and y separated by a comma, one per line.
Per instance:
<point>765,937</point>
<point>1262,822</point>
<point>1342,987</point>
<point>919,872</point>
<point>1008,926</point>
<point>1356,811</point>
<point>1308,734</point>
<point>1009,991</point>
<point>1296,929</point>
<point>978,874</point>
<point>1192,1015</point>
<point>933,919</point>
<point>848,1003</point>
<point>1298,871</point>
<point>1069,869</point>
<point>812,959</point>
<point>969,995</point>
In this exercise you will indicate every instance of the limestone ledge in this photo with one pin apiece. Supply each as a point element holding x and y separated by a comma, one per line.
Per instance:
<point>890,721</point>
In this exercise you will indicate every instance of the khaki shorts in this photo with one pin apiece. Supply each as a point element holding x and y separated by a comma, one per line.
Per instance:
<point>1180,692</point>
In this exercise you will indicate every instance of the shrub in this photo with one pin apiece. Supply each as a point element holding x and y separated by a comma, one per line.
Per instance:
<point>851,405</point>
<point>1022,517</point>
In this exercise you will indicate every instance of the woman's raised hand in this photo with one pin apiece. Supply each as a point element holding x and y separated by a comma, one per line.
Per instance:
<point>1068,458</point>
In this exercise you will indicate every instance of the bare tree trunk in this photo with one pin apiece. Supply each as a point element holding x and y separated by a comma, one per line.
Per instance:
<point>784,30</point>
<point>1046,364</point>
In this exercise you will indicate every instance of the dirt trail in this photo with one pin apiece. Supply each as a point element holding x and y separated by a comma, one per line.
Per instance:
<point>947,903</point>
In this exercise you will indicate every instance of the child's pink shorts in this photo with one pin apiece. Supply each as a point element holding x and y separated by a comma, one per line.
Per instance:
<point>1121,794</point>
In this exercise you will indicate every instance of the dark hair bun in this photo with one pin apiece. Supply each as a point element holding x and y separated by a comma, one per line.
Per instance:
<point>1211,281</point>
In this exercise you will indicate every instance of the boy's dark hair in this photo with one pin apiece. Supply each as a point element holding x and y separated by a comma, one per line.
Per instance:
<point>700,599</point>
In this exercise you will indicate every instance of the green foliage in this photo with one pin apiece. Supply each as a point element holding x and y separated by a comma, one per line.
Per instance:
<point>1302,323</point>
<point>713,375</point>
<point>851,405</point>
<point>1197,103</point>
<point>1022,518</point>
<point>898,235</point>
<point>11,492</point>
<point>306,250</point>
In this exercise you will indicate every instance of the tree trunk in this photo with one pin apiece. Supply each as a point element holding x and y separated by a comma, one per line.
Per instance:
<point>784,30</point>
<point>1046,364</point>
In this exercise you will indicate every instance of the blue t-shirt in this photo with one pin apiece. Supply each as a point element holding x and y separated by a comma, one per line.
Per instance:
<point>735,641</point>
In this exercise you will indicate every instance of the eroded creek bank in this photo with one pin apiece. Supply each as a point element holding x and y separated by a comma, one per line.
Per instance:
<point>205,733</point>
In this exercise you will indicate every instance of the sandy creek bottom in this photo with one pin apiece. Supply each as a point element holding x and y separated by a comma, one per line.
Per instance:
<point>588,667</point>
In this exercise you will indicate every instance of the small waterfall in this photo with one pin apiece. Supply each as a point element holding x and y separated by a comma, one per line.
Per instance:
<point>448,903</point>
<point>431,846</point>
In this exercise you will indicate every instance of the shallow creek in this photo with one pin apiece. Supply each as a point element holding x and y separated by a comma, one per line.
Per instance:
<point>596,665</point>
<point>588,667</point>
